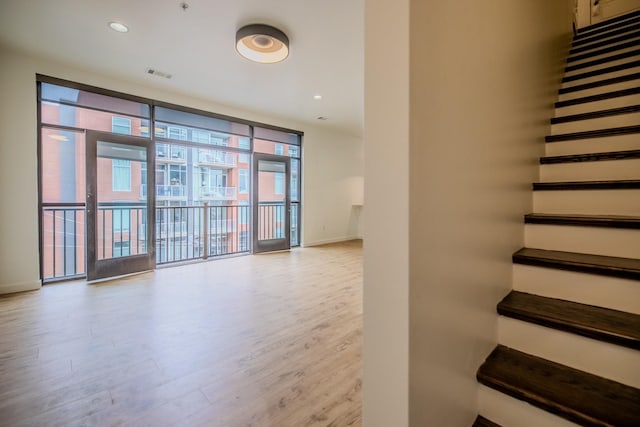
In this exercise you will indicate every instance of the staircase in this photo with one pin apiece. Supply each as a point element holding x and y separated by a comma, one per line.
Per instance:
<point>569,332</point>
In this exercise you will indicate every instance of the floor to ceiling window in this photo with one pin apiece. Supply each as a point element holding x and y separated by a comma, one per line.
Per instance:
<point>197,180</point>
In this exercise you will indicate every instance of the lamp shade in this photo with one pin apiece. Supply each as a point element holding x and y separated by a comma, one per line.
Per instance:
<point>262,43</point>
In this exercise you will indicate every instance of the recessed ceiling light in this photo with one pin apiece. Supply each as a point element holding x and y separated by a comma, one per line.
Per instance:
<point>317,96</point>
<point>119,27</point>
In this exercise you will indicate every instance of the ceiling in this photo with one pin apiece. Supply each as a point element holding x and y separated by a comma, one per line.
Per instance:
<point>197,47</point>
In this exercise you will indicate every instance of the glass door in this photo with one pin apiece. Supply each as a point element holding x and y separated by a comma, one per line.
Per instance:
<point>271,231</point>
<point>119,205</point>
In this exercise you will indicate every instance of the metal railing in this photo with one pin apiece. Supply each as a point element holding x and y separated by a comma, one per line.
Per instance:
<point>183,233</point>
<point>63,240</point>
<point>271,220</point>
<point>189,232</point>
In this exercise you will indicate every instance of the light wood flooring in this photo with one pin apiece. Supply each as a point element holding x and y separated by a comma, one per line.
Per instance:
<point>266,340</point>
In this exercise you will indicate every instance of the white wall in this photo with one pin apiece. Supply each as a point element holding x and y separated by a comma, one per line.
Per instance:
<point>330,159</point>
<point>458,120</point>
<point>386,217</point>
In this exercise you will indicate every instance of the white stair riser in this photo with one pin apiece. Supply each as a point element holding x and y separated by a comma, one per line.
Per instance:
<point>588,202</point>
<point>614,362</point>
<point>605,104</point>
<point>510,412</point>
<point>600,66</point>
<point>629,119</point>
<point>603,291</point>
<point>601,77</point>
<point>604,55</point>
<point>593,145</point>
<point>599,90</point>
<point>591,171</point>
<point>590,240</point>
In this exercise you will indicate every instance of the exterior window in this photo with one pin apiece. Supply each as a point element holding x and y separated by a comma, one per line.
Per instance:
<point>177,133</point>
<point>121,175</point>
<point>279,150</point>
<point>243,158</point>
<point>121,125</point>
<point>216,140</point>
<point>278,186</point>
<point>294,151</point>
<point>121,220</point>
<point>200,136</point>
<point>244,143</point>
<point>243,181</point>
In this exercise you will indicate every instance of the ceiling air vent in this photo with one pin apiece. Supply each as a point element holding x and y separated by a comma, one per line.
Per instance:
<point>158,73</point>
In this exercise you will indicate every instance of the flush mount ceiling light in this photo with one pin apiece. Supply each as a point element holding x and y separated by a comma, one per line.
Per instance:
<point>262,43</point>
<point>118,26</point>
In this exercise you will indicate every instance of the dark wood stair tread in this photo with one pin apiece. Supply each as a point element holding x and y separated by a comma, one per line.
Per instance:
<point>603,324</point>
<point>608,22</point>
<point>607,42</point>
<point>598,97</point>
<point>609,221</point>
<point>630,109</point>
<point>601,71</point>
<point>629,26</point>
<point>623,184</point>
<point>608,49</point>
<point>599,133</point>
<point>628,268</point>
<point>575,395</point>
<point>591,157</point>
<point>483,422</point>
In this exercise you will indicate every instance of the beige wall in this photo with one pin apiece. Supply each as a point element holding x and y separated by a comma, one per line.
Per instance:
<point>330,160</point>
<point>483,76</point>
<point>386,217</point>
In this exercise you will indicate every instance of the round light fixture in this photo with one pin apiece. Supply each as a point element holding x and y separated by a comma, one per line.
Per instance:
<point>118,26</point>
<point>262,43</point>
<point>318,97</point>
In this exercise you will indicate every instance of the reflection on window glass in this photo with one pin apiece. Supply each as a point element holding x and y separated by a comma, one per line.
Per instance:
<point>121,125</point>
<point>121,170</point>
<point>243,181</point>
<point>278,186</point>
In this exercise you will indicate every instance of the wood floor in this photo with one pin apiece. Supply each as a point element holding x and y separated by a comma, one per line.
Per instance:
<point>267,340</point>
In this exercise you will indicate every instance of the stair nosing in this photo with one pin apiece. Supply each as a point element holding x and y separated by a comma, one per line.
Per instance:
<point>598,133</point>
<point>602,268</point>
<point>629,109</point>
<point>597,330</point>
<point>591,157</point>
<point>506,370</point>
<point>601,71</point>
<point>614,184</point>
<point>605,221</point>
<point>598,97</point>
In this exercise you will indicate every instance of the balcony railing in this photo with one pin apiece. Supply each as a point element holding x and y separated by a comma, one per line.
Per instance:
<point>217,193</point>
<point>217,158</point>
<point>166,192</point>
<point>182,233</point>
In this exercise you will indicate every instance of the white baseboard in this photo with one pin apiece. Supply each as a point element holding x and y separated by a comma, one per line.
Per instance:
<point>328,241</point>
<point>11,288</point>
